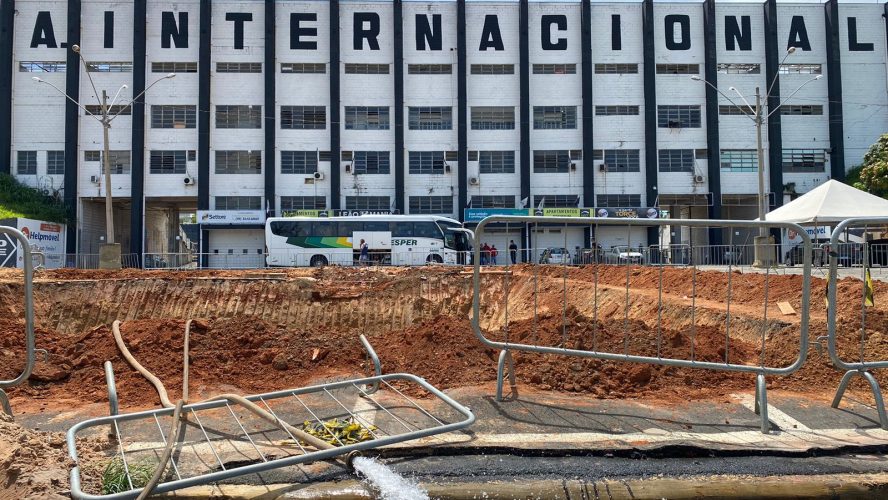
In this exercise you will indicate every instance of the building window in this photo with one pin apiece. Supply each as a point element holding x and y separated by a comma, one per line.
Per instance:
<point>622,160</point>
<point>678,69</point>
<point>493,201</point>
<point>366,118</point>
<point>109,67</point>
<point>493,117</point>
<point>616,69</point>
<point>238,203</point>
<point>238,67</point>
<point>304,68</point>
<point>678,116</point>
<point>371,162</point>
<point>556,200</point>
<point>616,110</point>
<point>303,203</point>
<point>426,162</point>
<point>26,163</point>
<point>55,163</point>
<point>173,116</point>
<point>303,117</point>
<point>430,118</point>
<point>554,69</point>
<point>117,109</point>
<point>299,162</point>
<point>174,67</point>
<point>739,68</point>
<point>431,205</point>
<point>676,160</point>
<point>379,203</point>
<point>800,69</point>
<point>804,160</point>
<point>801,109</point>
<point>120,160</point>
<point>238,116</point>
<point>551,161</point>
<point>366,69</point>
<point>167,162</point>
<point>618,200</point>
<point>493,69</point>
<point>42,67</point>
<point>496,162</point>
<point>732,110</point>
<point>739,160</point>
<point>554,117</point>
<point>429,69</point>
<point>238,162</point>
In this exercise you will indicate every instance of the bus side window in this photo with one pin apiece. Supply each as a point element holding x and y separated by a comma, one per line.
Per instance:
<point>426,230</point>
<point>401,229</point>
<point>349,228</point>
<point>325,228</point>
<point>376,226</point>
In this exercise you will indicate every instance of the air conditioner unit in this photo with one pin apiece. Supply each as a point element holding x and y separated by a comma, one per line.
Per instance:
<point>447,168</point>
<point>699,179</point>
<point>319,176</point>
<point>188,181</point>
<point>573,167</point>
<point>95,179</point>
<point>602,167</point>
<point>348,168</point>
<point>474,181</point>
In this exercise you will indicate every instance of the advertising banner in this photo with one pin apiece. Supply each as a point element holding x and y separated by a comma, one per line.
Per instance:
<point>8,250</point>
<point>45,237</point>
<point>628,213</point>
<point>228,217</point>
<point>478,214</point>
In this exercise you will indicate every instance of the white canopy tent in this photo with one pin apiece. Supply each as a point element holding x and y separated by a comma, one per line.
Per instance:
<point>828,204</point>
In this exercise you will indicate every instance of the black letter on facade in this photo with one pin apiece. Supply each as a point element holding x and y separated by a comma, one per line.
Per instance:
<point>109,29</point>
<point>238,18</point>
<point>798,34</point>
<point>547,22</point>
<point>43,32</point>
<point>685,26</point>
<point>490,34</point>
<point>428,33</point>
<point>170,31</point>
<point>737,35</point>
<point>297,31</point>
<point>853,44</point>
<point>616,39</point>
<point>370,33</point>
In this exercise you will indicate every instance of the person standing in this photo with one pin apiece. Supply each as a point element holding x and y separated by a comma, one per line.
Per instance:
<point>493,254</point>
<point>513,251</point>
<point>364,259</point>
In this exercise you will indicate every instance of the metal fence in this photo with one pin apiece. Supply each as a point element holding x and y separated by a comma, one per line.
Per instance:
<point>760,369</point>
<point>868,254</point>
<point>9,247</point>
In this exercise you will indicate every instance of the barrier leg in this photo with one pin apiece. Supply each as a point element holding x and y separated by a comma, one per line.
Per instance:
<point>4,402</point>
<point>842,386</point>
<point>500,374</point>
<point>761,402</point>
<point>877,396</point>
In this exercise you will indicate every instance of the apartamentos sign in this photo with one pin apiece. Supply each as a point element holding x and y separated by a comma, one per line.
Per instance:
<point>230,217</point>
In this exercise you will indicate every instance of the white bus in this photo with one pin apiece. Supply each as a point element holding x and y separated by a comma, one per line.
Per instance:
<point>401,240</point>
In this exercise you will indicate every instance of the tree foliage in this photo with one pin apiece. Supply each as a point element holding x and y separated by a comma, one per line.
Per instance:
<point>873,172</point>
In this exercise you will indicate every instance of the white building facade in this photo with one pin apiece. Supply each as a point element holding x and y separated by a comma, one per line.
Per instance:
<point>433,107</point>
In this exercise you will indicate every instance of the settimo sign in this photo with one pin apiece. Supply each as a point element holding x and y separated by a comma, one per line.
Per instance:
<point>47,238</point>
<point>230,217</point>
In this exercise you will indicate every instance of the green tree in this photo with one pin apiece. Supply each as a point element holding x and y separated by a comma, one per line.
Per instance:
<point>872,175</point>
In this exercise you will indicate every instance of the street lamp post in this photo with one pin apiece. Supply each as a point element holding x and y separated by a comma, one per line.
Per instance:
<point>759,115</point>
<point>105,120</point>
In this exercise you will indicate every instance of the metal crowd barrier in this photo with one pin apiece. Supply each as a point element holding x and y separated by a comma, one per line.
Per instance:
<point>862,366</point>
<point>760,370</point>
<point>28,263</point>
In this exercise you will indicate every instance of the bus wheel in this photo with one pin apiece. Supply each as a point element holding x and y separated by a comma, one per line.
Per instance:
<point>318,261</point>
<point>434,259</point>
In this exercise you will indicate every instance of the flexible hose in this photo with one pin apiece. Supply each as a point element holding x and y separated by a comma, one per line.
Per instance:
<point>234,398</point>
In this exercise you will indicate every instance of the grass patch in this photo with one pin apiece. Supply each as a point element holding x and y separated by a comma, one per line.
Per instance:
<point>18,200</point>
<point>114,478</point>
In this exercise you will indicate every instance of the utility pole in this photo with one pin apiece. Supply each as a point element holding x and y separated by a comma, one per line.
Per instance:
<point>762,257</point>
<point>106,161</point>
